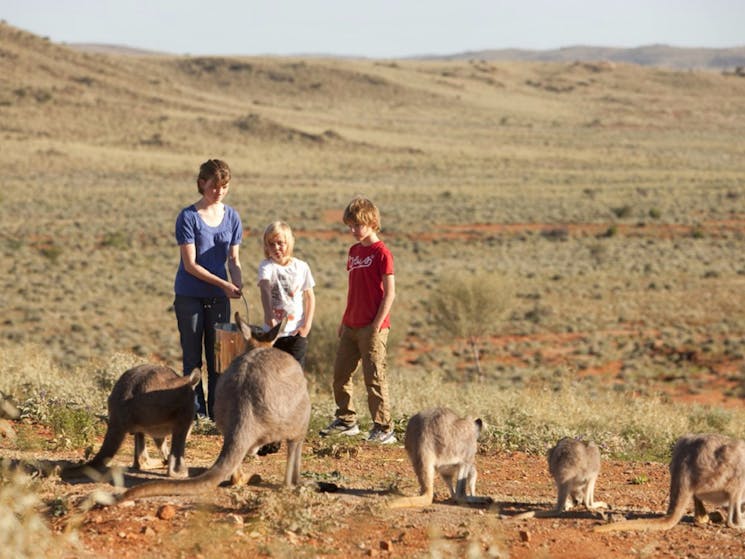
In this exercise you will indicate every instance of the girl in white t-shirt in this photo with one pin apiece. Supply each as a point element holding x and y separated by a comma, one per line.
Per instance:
<point>286,285</point>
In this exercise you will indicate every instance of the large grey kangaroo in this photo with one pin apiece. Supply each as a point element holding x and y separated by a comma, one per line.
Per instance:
<point>439,440</point>
<point>703,468</point>
<point>262,397</point>
<point>148,400</point>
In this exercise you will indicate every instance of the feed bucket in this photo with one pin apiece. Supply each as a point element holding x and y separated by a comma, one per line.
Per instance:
<point>229,344</point>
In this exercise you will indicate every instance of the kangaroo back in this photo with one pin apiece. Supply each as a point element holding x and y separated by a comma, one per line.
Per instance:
<point>262,397</point>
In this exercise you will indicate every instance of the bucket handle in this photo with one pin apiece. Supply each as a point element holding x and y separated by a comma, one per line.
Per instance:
<point>246,304</point>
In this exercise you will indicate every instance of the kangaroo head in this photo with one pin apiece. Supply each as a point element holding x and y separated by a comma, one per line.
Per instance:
<point>255,337</point>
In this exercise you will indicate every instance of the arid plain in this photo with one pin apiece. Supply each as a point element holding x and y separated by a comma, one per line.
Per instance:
<point>601,208</point>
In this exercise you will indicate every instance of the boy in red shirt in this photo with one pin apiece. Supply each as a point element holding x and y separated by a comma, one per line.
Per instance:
<point>363,332</point>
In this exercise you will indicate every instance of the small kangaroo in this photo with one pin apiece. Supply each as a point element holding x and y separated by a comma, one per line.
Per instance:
<point>575,466</point>
<point>148,400</point>
<point>708,467</point>
<point>262,397</point>
<point>439,440</point>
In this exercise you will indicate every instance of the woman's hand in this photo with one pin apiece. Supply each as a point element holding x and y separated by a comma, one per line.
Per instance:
<point>232,290</point>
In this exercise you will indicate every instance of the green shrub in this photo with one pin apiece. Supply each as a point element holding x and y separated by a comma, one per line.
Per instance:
<point>468,305</point>
<point>73,427</point>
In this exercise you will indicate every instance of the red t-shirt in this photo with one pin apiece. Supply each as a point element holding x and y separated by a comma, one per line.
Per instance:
<point>366,266</point>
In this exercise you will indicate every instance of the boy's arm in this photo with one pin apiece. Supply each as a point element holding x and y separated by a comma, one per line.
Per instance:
<point>309,310</point>
<point>389,294</point>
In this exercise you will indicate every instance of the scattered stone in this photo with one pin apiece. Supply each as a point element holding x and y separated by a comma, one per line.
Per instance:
<point>147,531</point>
<point>255,479</point>
<point>235,519</point>
<point>524,536</point>
<point>386,545</point>
<point>327,487</point>
<point>166,512</point>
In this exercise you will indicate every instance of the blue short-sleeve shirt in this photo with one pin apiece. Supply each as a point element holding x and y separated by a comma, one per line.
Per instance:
<point>212,246</point>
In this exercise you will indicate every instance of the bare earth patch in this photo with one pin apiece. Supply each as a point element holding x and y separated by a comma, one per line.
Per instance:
<point>265,519</point>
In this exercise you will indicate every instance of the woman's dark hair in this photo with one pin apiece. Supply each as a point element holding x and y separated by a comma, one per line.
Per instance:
<point>213,168</point>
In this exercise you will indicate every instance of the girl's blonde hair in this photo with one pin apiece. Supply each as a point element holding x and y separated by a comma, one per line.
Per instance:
<point>278,229</point>
<point>361,211</point>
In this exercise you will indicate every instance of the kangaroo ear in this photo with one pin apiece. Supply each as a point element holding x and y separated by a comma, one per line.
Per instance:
<point>271,336</point>
<point>244,327</point>
<point>479,426</point>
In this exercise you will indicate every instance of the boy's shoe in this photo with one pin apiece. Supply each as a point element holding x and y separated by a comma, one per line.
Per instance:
<point>338,427</point>
<point>377,435</point>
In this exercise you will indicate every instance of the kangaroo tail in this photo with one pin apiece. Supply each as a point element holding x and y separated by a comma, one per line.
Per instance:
<point>192,486</point>
<point>407,502</point>
<point>662,523</point>
<point>230,458</point>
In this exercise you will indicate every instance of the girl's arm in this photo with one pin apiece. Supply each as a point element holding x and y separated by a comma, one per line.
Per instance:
<point>265,288</point>
<point>189,258</point>
<point>389,294</point>
<point>234,267</point>
<point>309,310</point>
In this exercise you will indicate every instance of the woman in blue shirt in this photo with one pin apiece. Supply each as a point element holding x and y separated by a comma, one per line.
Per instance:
<point>209,235</point>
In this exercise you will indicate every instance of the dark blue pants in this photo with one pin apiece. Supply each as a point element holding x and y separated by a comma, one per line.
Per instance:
<point>196,319</point>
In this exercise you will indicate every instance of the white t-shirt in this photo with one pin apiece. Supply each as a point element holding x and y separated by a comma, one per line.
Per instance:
<point>288,284</point>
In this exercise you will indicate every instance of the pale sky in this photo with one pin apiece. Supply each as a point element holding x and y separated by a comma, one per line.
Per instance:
<point>378,28</point>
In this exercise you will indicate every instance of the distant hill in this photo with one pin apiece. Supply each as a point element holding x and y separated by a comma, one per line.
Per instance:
<point>113,49</point>
<point>665,56</point>
<point>652,55</point>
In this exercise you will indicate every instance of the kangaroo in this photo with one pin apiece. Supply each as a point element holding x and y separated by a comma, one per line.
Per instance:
<point>439,440</point>
<point>8,410</point>
<point>709,467</point>
<point>153,400</point>
<point>262,397</point>
<point>575,466</point>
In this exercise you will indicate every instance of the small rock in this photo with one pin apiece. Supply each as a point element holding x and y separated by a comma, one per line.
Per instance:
<point>147,531</point>
<point>386,545</point>
<point>166,512</point>
<point>524,536</point>
<point>255,479</point>
<point>234,519</point>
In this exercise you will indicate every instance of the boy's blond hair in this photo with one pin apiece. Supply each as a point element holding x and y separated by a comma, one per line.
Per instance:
<point>278,229</point>
<point>361,211</point>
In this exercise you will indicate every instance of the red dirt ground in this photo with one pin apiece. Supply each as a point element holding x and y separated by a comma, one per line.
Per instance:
<point>354,522</point>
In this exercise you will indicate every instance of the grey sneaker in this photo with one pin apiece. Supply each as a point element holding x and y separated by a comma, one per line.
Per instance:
<point>338,427</point>
<point>377,435</point>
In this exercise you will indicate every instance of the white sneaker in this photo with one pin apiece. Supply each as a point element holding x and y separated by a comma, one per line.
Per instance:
<point>338,427</point>
<point>377,435</point>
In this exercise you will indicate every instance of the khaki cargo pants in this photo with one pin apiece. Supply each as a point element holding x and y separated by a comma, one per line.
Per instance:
<point>355,345</point>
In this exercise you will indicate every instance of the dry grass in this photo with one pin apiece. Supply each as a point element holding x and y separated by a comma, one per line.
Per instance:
<point>611,196</point>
